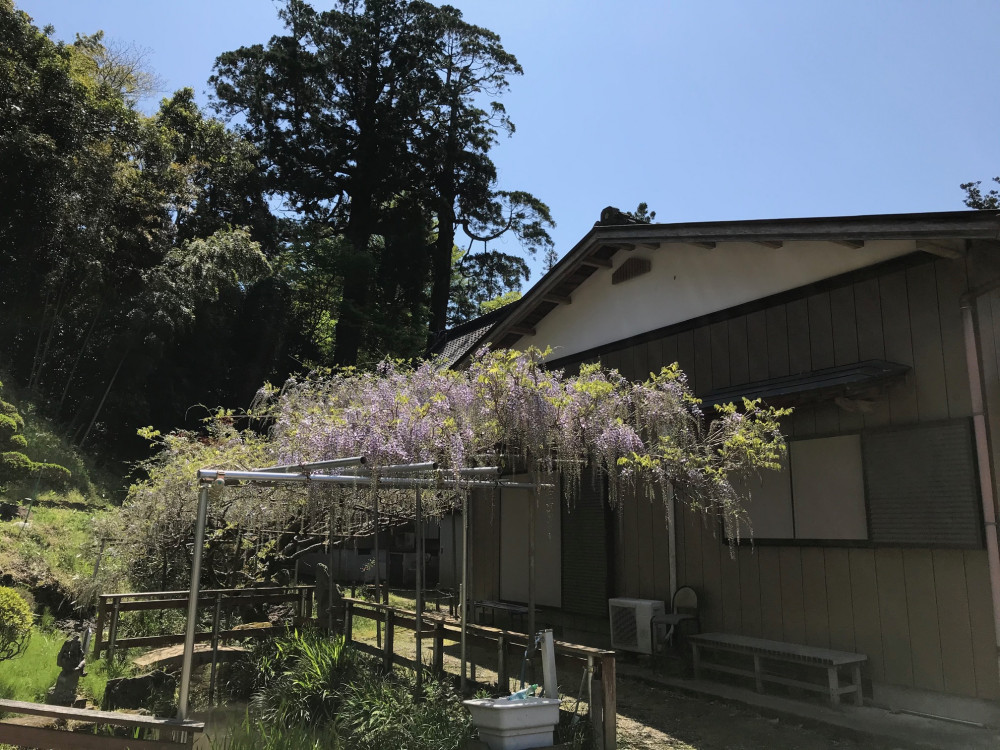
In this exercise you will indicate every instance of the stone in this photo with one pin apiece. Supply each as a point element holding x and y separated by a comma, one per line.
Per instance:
<point>72,663</point>
<point>139,692</point>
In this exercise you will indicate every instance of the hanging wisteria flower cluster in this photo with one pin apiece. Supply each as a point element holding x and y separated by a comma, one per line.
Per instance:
<point>508,407</point>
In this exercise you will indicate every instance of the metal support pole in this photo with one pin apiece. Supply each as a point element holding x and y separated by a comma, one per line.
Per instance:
<point>464,586</point>
<point>378,622</point>
<point>192,613</point>
<point>532,512</point>
<point>419,545</point>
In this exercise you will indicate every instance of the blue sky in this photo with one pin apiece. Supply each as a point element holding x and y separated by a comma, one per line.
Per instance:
<point>706,110</point>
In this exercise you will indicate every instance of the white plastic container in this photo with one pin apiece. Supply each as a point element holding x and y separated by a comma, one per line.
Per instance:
<point>515,725</point>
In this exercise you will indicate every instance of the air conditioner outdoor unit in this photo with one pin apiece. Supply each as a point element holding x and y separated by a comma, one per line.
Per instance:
<point>631,627</point>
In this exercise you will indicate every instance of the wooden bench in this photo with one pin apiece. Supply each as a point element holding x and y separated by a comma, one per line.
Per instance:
<point>173,734</point>
<point>513,610</point>
<point>765,653</point>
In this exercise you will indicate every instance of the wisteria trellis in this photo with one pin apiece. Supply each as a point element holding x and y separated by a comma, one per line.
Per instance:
<point>506,408</point>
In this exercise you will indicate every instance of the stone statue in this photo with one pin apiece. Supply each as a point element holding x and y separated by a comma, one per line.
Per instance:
<point>73,664</point>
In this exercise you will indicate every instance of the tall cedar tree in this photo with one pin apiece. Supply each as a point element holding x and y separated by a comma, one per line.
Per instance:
<point>371,117</point>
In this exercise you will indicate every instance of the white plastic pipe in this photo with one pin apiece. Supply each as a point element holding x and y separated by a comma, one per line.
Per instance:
<point>549,679</point>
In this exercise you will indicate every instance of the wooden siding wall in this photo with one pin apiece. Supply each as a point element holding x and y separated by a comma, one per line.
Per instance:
<point>923,616</point>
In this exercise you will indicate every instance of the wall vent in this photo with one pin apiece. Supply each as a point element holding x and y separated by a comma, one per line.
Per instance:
<point>630,269</point>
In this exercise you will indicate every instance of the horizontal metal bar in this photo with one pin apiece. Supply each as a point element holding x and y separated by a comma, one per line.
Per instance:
<point>315,465</point>
<point>209,475</point>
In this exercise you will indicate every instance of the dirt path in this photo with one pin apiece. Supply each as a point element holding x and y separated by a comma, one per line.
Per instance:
<point>655,717</point>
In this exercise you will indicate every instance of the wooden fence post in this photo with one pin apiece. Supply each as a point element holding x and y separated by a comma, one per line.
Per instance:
<point>609,699</point>
<point>438,657</point>
<point>503,681</point>
<point>102,610</point>
<point>348,621</point>
<point>390,628</point>
<point>113,635</point>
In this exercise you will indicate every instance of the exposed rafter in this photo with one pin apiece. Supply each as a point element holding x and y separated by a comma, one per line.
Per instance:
<point>943,248</point>
<point>596,262</point>
<point>853,244</point>
<point>773,244</point>
<point>558,299</point>
<point>706,245</point>
<point>522,330</point>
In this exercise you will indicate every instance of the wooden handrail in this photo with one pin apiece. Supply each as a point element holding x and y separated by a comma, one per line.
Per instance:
<point>99,717</point>
<point>602,692</point>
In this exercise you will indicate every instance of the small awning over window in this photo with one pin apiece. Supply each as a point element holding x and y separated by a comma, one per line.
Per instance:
<point>860,380</point>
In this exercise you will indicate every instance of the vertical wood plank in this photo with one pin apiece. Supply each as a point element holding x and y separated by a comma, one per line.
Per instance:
<point>713,614</point>
<point>732,605</point>
<point>867,623</point>
<point>757,346</point>
<point>820,331</point>
<point>630,523</point>
<point>838,597</point>
<point>977,579</point>
<point>702,379</point>
<point>770,593</point>
<point>739,356</point>
<point>845,346</point>
<point>644,544</point>
<point>957,661</point>
<point>668,352</point>
<point>928,354</point>
<point>640,362</point>
<point>898,347</point>
<point>799,356</point>
<point>661,550</point>
<point>792,600</point>
<point>718,334</point>
<point>951,285</point>
<point>894,617</point>
<point>694,575</point>
<point>925,633</point>
<point>777,341</point>
<point>843,319</point>
<point>750,590</point>
<point>685,355</point>
<point>817,616</point>
<point>871,341</point>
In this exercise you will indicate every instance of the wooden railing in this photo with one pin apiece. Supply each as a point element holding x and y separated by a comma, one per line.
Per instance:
<point>172,734</point>
<point>111,606</point>
<point>600,664</point>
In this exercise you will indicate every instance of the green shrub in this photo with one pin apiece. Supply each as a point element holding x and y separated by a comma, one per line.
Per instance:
<point>313,692</point>
<point>15,623</point>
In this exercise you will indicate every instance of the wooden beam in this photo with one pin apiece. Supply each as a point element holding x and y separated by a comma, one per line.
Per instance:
<point>943,248</point>
<point>853,244</point>
<point>522,330</point>
<point>627,246</point>
<point>650,245</point>
<point>773,244</point>
<point>558,299</point>
<point>597,262</point>
<point>706,245</point>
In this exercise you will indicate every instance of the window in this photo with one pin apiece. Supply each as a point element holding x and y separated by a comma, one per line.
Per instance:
<point>819,494</point>
<point>915,486</point>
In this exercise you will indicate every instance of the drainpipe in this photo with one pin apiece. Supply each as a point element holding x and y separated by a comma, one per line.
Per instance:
<point>983,458</point>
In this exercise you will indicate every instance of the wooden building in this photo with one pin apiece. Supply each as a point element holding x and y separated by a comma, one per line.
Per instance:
<point>878,537</point>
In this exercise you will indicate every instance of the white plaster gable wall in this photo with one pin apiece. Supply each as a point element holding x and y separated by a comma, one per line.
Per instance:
<point>687,281</point>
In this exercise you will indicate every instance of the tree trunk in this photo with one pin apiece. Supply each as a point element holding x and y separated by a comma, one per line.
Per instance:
<point>441,274</point>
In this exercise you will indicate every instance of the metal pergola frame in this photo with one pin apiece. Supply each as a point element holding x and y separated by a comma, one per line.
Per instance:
<point>356,474</point>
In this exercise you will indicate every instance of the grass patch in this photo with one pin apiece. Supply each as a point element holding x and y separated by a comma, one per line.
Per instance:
<point>29,676</point>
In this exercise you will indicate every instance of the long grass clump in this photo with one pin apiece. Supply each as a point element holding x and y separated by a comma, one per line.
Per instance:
<point>309,691</point>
